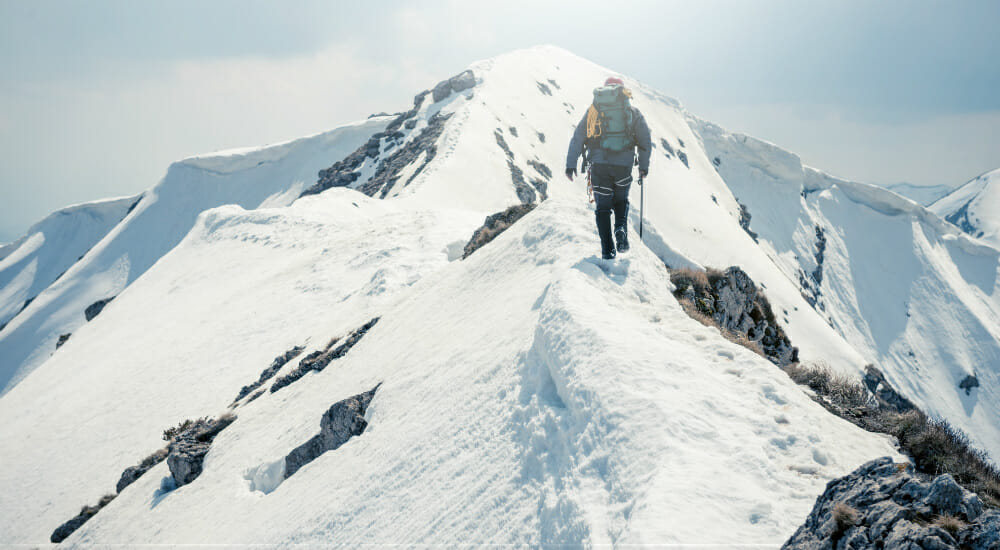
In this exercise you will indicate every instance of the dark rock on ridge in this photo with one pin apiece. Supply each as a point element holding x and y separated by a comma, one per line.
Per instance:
<point>735,304</point>
<point>524,191</point>
<point>887,506</point>
<point>387,173</point>
<point>95,309</point>
<point>188,448</point>
<point>133,473</point>
<point>462,81</point>
<point>494,225</point>
<point>811,284</point>
<point>67,529</point>
<point>886,396</point>
<point>745,221</point>
<point>63,338</point>
<point>970,381</point>
<point>344,172</point>
<point>342,421</point>
<point>318,360</point>
<point>668,151</point>
<point>270,371</point>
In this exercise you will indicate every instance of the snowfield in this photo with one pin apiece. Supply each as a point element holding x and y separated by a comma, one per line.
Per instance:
<point>530,394</point>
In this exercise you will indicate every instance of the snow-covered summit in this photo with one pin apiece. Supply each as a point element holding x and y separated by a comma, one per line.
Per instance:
<point>975,207</point>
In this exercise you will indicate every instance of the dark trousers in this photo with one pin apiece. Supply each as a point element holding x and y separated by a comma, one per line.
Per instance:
<point>611,184</point>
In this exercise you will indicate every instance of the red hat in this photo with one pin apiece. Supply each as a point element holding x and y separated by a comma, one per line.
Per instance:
<point>613,80</point>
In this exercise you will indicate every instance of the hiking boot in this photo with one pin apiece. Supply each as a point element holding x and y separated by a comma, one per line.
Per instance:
<point>604,231</point>
<point>621,238</point>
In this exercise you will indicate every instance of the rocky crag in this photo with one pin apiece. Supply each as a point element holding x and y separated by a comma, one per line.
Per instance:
<point>735,304</point>
<point>885,505</point>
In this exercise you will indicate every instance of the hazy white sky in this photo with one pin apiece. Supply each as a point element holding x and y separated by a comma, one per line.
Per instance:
<point>98,97</point>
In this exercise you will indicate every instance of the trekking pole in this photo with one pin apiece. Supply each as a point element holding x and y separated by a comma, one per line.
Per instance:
<point>641,200</point>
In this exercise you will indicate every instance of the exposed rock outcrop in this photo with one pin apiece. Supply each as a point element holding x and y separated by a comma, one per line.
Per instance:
<point>63,338</point>
<point>884,505</point>
<point>735,304</point>
<point>95,309</point>
<point>668,151</point>
<point>188,448</point>
<point>389,168</point>
<point>345,172</point>
<point>133,473</point>
<point>524,191</point>
<point>67,529</point>
<point>462,81</point>
<point>887,396</point>
<point>811,284</point>
<point>970,381</point>
<point>344,420</point>
<point>270,371</point>
<point>745,221</point>
<point>494,225</point>
<point>318,360</point>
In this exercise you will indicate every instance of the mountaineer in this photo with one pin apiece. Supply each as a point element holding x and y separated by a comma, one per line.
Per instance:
<point>612,137</point>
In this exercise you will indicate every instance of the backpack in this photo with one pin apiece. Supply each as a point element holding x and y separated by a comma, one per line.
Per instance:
<point>609,120</point>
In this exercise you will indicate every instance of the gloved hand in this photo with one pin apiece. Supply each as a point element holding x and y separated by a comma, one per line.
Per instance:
<point>643,173</point>
<point>570,173</point>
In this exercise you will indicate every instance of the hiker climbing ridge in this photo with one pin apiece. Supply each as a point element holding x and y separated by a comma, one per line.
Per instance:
<point>612,137</point>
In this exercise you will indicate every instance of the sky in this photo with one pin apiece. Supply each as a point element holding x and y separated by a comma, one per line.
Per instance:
<point>98,97</point>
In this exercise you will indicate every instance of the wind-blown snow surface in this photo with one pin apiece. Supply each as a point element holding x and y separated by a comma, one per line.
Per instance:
<point>528,393</point>
<point>975,207</point>
<point>531,394</point>
<point>50,247</point>
<point>270,176</point>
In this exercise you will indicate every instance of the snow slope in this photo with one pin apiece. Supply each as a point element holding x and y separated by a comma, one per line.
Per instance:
<point>909,292</point>
<point>531,394</point>
<point>975,208</point>
<point>50,247</point>
<point>268,176</point>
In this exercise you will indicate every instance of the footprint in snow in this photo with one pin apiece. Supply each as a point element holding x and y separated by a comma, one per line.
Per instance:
<point>616,270</point>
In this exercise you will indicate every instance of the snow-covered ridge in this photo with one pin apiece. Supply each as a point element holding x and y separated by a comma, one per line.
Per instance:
<point>975,207</point>
<point>51,246</point>
<point>271,176</point>
<point>510,385</point>
<point>893,204</point>
<point>531,393</point>
<point>245,158</point>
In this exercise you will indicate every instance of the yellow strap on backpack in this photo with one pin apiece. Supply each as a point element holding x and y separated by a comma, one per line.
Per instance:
<point>593,123</point>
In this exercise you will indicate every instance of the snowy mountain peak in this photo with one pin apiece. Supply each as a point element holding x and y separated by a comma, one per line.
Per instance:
<point>529,392</point>
<point>975,207</point>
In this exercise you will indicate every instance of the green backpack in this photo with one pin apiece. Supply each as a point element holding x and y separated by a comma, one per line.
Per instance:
<point>610,119</point>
